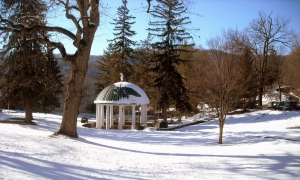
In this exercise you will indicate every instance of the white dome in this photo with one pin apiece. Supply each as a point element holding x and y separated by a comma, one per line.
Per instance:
<point>122,93</point>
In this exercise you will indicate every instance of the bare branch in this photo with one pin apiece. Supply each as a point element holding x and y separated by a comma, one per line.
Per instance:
<point>61,30</point>
<point>149,4</point>
<point>10,26</point>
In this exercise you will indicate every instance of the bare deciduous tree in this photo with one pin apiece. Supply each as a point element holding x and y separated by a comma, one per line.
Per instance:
<point>265,34</point>
<point>220,83</point>
<point>292,65</point>
<point>86,24</point>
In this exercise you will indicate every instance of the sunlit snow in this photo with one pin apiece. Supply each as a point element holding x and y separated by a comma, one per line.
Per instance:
<point>257,145</point>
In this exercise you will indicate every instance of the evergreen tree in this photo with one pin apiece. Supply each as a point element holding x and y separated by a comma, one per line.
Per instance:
<point>185,69</point>
<point>274,70</point>
<point>119,55</point>
<point>248,77</point>
<point>194,78</point>
<point>171,34</point>
<point>30,74</point>
<point>107,64</point>
<point>275,73</point>
<point>142,76</point>
<point>85,16</point>
<point>122,44</point>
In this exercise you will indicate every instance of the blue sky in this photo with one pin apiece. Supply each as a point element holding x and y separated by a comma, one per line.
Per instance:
<point>210,16</point>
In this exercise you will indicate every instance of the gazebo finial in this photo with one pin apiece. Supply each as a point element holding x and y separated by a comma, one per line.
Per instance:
<point>121,76</point>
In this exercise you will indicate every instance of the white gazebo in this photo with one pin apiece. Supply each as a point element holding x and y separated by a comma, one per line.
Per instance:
<point>120,94</point>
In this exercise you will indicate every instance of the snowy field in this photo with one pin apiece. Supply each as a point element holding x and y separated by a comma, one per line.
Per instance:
<point>257,145</point>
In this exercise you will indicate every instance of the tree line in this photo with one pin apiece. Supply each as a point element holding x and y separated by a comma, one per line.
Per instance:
<point>235,69</point>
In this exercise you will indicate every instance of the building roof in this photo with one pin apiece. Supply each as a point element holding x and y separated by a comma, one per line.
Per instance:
<point>122,93</point>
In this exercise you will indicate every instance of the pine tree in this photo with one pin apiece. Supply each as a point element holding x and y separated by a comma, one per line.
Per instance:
<point>248,77</point>
<point>122,44</point>
<point>142,76</point>
<point>108,72</point>
<point>171,34</point>
<point>119,55</point>
<point>30,74</point>
<point>85,16</point>
<point>185,69</point>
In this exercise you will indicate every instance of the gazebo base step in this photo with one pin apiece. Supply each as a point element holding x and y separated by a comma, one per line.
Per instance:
<point>127,126</point>
<point>116,127</point>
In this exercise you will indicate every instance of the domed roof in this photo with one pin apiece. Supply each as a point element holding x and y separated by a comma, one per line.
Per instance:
<point>122,93</point>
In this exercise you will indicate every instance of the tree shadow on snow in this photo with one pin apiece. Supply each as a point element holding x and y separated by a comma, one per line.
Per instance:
<point>279,163</point>
<point>57,170</point>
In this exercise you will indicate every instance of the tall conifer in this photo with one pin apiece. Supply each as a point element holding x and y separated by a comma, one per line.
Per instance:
<point>30,74</point>
<point>122,45</point>
<point>108,73</point>
<point>170,33</point>
<point>119,55</point>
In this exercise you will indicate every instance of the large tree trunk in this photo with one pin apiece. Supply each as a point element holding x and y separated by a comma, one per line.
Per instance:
<point>164,112</point>
<point>28,112</point>
<point>83,41</point>
<point>221,133</point>
<point>73,96</point>
<point>221,123</point>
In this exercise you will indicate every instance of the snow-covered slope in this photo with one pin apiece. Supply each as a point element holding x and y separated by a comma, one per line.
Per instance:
<point>257,145</point>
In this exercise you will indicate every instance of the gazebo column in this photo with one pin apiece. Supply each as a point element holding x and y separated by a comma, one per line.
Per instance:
<point>101,116</point>
<point>133,117</point>
<point>111,112</point>
<point>123,115</point>
<point>107,116</point>
<point>98,116</point>
<point>144,114</point>
<point>120,123</point>
<point>141,117</point>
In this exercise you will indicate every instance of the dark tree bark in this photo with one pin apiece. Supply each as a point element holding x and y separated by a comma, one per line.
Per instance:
<point>86,25</point>
<point>28,112</point>
<point>89,15</point>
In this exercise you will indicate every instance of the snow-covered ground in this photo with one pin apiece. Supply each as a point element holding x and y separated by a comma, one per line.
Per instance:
<point>257,145</point>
